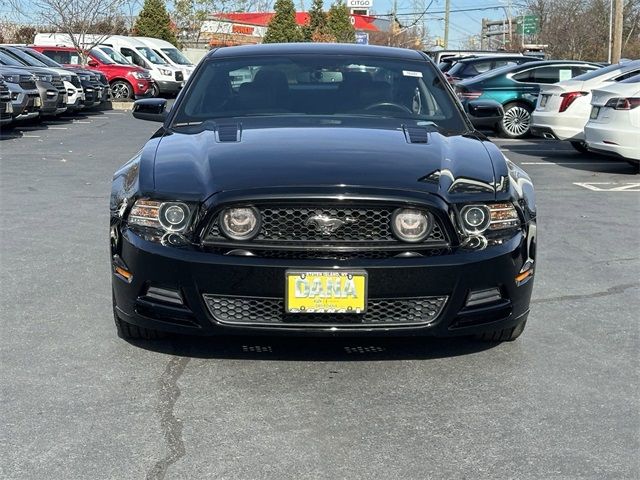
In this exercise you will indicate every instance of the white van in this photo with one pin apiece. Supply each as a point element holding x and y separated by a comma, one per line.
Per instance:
<point>168,78</point>
<point>170,54</point>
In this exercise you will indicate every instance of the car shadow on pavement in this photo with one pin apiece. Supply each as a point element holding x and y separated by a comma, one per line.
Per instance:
<point>590,162</point>
<point>315,348</point>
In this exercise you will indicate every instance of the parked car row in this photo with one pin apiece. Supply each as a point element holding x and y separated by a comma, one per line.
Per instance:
<point>136,67</point>
<point>36,89</point>
<point>597,111</point>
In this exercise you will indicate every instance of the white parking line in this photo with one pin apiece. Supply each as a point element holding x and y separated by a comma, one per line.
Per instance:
<point>58,128</point>
<point>594,186</point>
<point>30,136</point>
<point>79,121</point>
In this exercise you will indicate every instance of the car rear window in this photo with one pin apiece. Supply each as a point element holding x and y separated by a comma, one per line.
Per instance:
<point>320,85</point>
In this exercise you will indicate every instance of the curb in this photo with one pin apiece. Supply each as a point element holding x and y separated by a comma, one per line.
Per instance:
<point>122,106</point>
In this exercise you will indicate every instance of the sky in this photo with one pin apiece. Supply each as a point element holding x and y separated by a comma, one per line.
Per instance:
<point>462,24</point>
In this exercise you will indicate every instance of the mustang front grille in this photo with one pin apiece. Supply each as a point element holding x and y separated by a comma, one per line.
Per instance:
<point>282,225</point>
<point>270,312</point>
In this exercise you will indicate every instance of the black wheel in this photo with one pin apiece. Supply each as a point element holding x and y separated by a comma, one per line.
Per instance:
<point>516,121</point>
<point>121,90</point>
<point>505,335</point>
<point>580,146</point>
<point>128,331</point>
<point>155,90</point>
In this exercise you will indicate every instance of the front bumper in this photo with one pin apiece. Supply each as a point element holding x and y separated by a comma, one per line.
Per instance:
<point>196,273</point>
<point>169,86</point>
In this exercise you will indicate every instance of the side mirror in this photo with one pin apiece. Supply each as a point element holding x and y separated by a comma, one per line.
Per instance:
<point>152,109</point>
<point>92,63</point>
<point>484,113</point>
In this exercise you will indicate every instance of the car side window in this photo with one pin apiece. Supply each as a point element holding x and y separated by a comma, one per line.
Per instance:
<point>526,76</point>
<point>477,68</point>
<point>547,74</point>
<point>133,57</point>
<point>625,75</point>
<point>580,70</point>
<point>60,57</point>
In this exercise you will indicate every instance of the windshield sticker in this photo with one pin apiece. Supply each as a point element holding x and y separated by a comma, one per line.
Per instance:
<point>565,74</point>
<point>410,73</point>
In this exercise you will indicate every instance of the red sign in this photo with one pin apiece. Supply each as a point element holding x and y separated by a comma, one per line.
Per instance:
<point>242,29</point>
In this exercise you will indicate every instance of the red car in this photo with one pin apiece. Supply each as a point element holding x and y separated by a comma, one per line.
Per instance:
<point>126,81</point>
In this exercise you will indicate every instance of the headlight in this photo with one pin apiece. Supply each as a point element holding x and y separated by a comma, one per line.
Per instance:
<point>45,78</point>
<point>168,216</point>
<point>12,78</point>
<point>411,225</point>
<point>477,219</point>
<point>84,78</point>
<point>66,78</point>
<point>240,223</point>
<point>138,75</point>
<point>164,71</point>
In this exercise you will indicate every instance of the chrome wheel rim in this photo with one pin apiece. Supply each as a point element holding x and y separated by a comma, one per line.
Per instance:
<point>155,91</point>
<point>516,121</point>
<point>120,90</point>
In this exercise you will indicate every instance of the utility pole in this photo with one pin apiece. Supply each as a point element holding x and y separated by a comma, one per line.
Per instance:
<point>617,33</point>
<point>447,7</point>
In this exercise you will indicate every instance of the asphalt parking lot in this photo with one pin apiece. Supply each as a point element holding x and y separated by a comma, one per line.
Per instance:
<point>562,402</point>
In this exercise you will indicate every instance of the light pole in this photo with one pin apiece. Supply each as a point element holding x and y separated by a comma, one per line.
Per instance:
<point>610,28</point>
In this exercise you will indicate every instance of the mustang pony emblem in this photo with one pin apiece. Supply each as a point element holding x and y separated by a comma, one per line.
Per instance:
<point>326,225</point>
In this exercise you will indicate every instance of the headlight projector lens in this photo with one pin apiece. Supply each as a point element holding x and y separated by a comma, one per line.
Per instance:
<point>174,216</point>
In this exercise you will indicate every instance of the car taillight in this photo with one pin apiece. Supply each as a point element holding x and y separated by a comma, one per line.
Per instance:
<point>568,98</point>
<point>623,103</point>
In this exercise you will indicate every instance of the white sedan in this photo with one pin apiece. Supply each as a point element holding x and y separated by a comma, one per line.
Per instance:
<point>563,108</point>
<point>614,123</point>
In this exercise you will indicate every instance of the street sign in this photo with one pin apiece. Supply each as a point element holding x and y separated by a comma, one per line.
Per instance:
<point>528,24</point>
<point>359,4</point>
<point>362,38</point>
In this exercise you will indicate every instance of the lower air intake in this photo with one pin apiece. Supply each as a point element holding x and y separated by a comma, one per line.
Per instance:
<point>270,312</point>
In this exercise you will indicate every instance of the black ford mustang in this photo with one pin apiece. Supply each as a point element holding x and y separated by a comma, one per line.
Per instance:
<point>320,189</point>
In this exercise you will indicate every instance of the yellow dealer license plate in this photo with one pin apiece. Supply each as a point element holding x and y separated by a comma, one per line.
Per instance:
<point>330,291</point>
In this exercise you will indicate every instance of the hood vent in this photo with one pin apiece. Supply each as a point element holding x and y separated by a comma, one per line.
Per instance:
<point>228,133</point>
<point>416,135</point>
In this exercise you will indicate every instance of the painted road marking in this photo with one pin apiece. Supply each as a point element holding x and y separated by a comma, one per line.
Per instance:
<point>625,187</point>
<point>78,121</point>
<point>30,136</point>
<point>57,128</point>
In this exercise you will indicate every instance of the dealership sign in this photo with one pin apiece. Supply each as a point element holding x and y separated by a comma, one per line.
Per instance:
<point>360,4</point>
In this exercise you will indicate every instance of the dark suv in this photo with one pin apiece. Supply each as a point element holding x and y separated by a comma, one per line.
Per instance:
<point>472,66</point>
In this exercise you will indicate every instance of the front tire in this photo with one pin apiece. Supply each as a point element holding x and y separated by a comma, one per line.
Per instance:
<point>155,91</point>
<point>516,121</point>
<point>504,335</point>
<point>580,147</point>
<point>121,90</point>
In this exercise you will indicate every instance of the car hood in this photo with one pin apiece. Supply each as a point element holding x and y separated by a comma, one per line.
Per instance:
<point>315,154</point>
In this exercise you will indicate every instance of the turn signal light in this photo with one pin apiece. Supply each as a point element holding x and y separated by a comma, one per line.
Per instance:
<point>128,276</point>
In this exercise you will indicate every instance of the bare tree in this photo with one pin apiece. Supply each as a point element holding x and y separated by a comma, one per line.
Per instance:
<point>76,18</point>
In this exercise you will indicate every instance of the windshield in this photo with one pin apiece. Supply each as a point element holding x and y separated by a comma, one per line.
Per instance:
<point>8,60</point>
<point>103,57</point>
<point>113,56</point>
<point>42,58</point>
<point>320,85</point>
<point>23,57</point>
<point>176,56</point>
<point>150,55</point>
<point>596,73</point>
